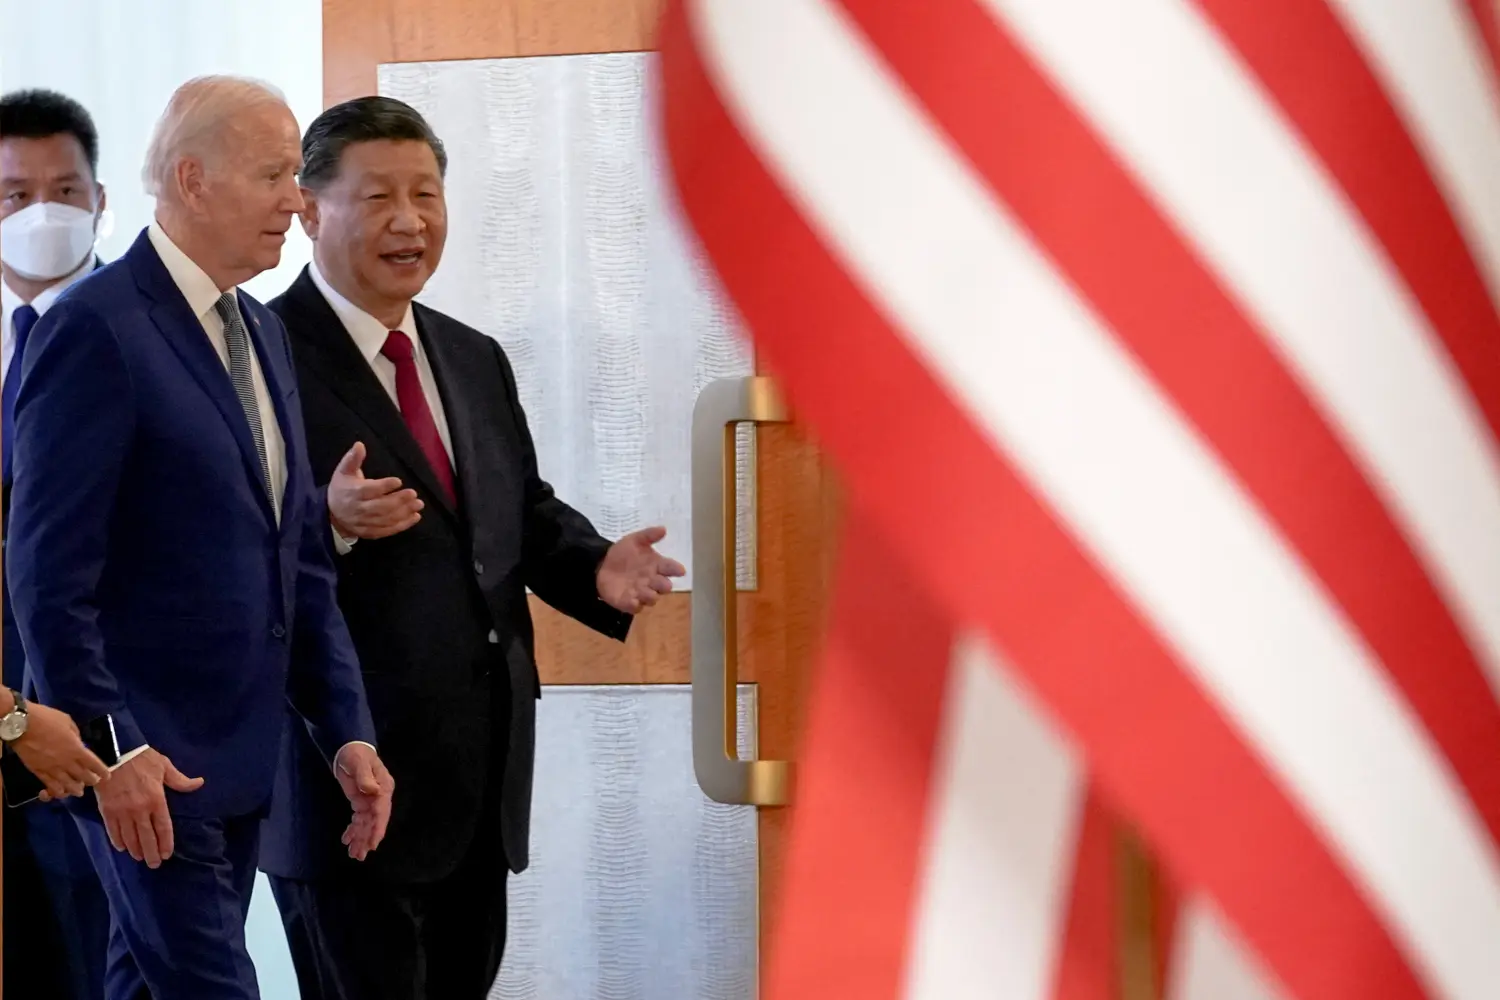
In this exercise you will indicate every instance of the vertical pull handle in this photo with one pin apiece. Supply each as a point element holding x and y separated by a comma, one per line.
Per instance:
<point>722,775</point>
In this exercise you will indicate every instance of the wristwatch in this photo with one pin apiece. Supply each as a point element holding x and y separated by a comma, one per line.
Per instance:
<point>13,725</point>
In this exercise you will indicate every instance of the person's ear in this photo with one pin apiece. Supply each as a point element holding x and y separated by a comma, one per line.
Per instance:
<point>309,214</point>
<point>192,181</point>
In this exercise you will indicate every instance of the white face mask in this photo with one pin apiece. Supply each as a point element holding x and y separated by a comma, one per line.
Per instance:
<point>46,240</point>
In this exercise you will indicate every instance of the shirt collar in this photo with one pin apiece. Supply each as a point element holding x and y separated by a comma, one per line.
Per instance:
<point>196,286</point>
<point>11,301</point>
<point>367,332</point>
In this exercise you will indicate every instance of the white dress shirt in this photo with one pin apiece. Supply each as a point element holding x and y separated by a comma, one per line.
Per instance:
<point>10,302</point>
<point>201,293</point>
<point>369,335</point>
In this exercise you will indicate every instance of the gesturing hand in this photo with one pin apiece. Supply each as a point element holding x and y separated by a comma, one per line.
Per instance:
<point>369,508</point>
<point>52,750</point>
<point>633,574</point>
<point>134,805</point>
<point>368,786</point>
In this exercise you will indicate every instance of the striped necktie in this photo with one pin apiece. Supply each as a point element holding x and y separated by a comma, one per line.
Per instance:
<point>240,373</point>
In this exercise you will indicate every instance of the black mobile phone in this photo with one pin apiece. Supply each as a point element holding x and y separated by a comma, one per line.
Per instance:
<point>21,786</point>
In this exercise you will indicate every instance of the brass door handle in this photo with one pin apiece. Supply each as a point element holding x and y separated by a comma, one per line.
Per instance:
<point>722,775</point>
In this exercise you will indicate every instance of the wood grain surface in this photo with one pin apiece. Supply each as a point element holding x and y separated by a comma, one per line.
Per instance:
<point>359,35</point>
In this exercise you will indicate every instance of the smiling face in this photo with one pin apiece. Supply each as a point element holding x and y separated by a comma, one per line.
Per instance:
<point>250,191</point>
<point>379,224</point>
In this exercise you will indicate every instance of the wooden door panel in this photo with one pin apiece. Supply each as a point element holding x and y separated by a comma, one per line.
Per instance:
<point>781,624</point>
<point>359,35</point>
<point>656,652</point>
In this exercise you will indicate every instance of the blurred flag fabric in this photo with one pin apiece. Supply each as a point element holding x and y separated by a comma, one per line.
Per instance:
<point>1157,344</point>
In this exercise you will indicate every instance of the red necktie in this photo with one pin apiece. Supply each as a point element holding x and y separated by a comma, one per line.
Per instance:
<point>414,410</point>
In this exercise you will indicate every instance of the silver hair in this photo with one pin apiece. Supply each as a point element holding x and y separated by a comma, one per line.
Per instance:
<point>194,122</point>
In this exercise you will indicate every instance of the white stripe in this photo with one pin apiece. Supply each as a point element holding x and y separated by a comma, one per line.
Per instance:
<point>1053,388</point>
<point>1005,817</point>
<point>1209,962</point>
<point>1431,58</point>
<point>1179,108</point>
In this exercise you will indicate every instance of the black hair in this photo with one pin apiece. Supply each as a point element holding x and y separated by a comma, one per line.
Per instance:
<point>364,119</point>
<point>37,114</point>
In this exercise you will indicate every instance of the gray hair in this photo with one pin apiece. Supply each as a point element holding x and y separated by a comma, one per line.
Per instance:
<point>195,120</point>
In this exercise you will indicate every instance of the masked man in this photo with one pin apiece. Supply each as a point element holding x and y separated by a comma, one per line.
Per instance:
<point>56,918</point>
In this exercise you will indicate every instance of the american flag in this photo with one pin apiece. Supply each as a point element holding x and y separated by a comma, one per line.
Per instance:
<point>1157,343</point>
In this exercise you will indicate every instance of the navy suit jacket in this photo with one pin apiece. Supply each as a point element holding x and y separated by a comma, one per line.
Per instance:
<point>14,660</point>
<point>149,577</point>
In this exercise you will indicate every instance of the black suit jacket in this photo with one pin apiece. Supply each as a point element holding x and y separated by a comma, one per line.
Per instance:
<point>439,612</point>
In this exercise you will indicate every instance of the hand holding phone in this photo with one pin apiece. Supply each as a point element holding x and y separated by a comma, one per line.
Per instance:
<point>55,757</point>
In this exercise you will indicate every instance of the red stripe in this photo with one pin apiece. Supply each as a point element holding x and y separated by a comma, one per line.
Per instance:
<point>982,543</point>
<point>863,787</point>
<point>1487,22</point>
<point>1088,961</point>
<point>1164,303</point>
<point>1323,85</point>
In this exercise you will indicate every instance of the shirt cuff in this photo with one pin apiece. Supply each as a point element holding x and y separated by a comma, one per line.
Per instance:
<point>346,746</point>
<point>343,546</point>
<point>130,755</point>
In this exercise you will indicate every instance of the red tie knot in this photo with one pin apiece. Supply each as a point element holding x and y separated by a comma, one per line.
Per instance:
<point>397,347</point>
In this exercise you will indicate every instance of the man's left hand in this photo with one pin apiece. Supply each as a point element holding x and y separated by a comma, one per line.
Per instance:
<point>634,575</point>
<point>368,786</point>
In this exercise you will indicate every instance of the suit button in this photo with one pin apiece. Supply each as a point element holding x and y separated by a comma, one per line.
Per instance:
<point>278,631</point>
<point>478,567</point>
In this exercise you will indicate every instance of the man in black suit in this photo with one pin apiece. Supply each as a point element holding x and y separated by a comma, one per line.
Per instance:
<point>441,521</point>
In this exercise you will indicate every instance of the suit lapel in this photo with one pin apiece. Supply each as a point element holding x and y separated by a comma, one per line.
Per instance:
<point>184,333</point>
<point>344,370</point>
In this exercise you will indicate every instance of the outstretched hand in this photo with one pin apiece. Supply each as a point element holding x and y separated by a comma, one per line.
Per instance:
<point>368,786</point>
<point>634,575</point>
<point>369,508</point>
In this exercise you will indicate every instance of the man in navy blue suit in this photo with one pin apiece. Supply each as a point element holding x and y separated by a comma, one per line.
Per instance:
<point>170,558</point>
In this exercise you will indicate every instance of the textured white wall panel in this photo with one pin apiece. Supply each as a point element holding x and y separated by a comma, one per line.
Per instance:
<point>564,246</point>
<point>640,888</point>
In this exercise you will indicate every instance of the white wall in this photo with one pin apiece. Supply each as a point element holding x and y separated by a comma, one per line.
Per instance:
<point>123,58</point>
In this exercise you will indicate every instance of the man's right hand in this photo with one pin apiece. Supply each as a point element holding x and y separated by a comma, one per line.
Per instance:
<point>369,508</point>
<point>52,750</point>
<point>134,805</point>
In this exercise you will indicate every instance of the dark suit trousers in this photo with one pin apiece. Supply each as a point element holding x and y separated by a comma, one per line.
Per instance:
<point>357,939</point>
<point>56,918</point>
<point>178,933</point>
